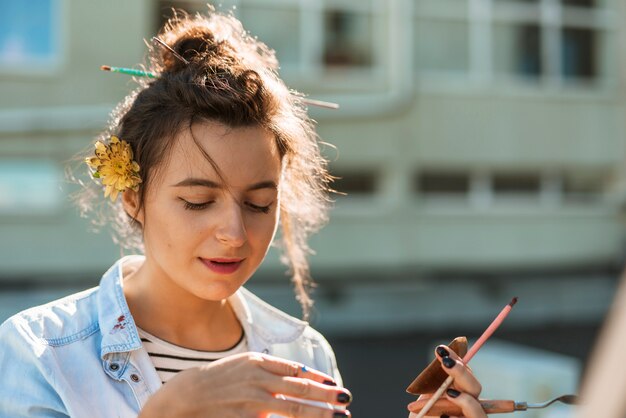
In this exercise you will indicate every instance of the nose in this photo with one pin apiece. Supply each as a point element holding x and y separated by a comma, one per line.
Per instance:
<point>231,230</point>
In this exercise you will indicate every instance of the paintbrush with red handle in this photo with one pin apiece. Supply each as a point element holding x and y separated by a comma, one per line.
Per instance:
<point>471,352</point>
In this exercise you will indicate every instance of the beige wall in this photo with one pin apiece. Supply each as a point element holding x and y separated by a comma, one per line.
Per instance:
<point>52,116</point>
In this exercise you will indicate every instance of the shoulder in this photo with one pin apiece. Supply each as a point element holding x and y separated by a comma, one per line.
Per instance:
<point>323,353</point>
<point>56,323</point>
<point>316,338</point>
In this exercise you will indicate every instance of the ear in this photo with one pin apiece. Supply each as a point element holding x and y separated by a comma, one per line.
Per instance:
<point>130,202</point>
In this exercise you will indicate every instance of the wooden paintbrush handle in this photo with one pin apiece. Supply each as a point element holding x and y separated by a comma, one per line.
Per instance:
<point>444,406</point>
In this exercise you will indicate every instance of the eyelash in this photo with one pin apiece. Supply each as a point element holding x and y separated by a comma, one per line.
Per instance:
<point>200,206</point>
<point>195,206</point>
<point>261,209</point>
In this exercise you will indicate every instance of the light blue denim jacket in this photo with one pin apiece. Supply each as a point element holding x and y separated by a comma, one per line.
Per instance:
<point>81,356</point>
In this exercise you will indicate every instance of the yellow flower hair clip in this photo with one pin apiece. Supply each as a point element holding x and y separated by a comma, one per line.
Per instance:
<point>114,165</point>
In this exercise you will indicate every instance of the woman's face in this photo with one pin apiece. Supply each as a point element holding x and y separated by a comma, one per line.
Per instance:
<point>205,234</point>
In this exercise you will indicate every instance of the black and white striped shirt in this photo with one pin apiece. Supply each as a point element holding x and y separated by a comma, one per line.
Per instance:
<point>169,359</point>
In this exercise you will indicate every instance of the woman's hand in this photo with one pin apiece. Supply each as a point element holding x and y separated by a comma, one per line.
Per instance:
<point>248,385</point>
<point>465,389</point>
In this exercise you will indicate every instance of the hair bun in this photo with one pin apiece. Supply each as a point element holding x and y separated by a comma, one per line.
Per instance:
<point>193,44</point>
<point>209,42</point>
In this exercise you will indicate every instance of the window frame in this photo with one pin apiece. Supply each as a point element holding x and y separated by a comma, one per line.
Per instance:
<point>552,17</point>
<point>52,65</point>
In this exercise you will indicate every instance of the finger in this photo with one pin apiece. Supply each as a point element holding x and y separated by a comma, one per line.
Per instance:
<point>289,368</point>
<point>445,351</point>
<point>441,408</point>
<point>452,364</point>
<point>308,389</point>
<point>469,405</point>
<point>293,409</point>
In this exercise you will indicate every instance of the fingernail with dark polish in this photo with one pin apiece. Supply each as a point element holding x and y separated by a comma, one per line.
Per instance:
<point>444,416</point>
<point>344,398</point>
<point>448,362</point>
<point>453,393</point>
<point>442,352</point>
<point>329,383</point>
<point>341,414</point>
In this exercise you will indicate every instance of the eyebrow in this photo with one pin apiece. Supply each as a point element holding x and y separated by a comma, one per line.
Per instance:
<point>195,182</point>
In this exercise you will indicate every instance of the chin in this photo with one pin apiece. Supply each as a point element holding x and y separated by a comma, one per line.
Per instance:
<point>218,291</point>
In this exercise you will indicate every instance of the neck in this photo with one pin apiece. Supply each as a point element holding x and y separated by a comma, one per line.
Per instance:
<point>167,311</point>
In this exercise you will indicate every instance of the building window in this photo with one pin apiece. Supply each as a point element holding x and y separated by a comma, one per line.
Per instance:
<point>584,187</point>
<point>546,41</point>
<point>484,189</point>
<point>578,53</point>
<point>579,3</point>
<point>347,39</point>
<point>517,50</point>
<point>355,182</point>
<point>442,183</point>
<point>516,183</point>
<point>30,35</point>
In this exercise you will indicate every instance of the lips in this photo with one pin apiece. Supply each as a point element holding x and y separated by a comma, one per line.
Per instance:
<point>223,265</point>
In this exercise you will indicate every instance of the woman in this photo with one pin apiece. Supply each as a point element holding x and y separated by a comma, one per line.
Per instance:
<point>201,163</point>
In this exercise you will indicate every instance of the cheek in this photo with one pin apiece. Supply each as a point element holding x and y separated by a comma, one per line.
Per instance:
<point>167,229</point>
<point>156,234</point>
<point>261,228</point>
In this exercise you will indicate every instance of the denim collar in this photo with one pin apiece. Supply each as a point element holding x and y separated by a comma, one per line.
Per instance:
<point>263,324</point>
<point>119,332</point>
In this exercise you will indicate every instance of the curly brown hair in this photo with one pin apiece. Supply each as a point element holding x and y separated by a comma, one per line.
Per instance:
<point>230,78</point>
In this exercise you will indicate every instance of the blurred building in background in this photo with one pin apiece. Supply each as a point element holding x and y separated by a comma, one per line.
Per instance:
<point>480,144</point>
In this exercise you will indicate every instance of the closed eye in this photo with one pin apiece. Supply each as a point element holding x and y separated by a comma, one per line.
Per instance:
<point>256,208</point>
<point>196,206</point>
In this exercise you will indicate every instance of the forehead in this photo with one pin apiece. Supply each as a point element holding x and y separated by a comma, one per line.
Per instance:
<point>243,155</point>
